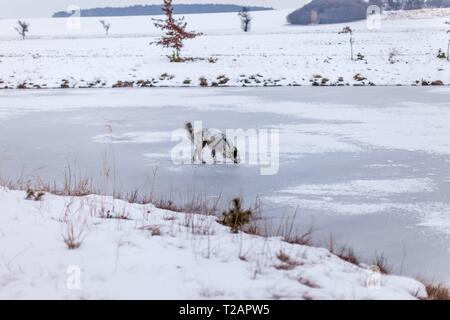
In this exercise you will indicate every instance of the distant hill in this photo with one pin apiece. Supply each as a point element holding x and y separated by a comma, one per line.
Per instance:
<point>155,9</point>
<point>329,11</point>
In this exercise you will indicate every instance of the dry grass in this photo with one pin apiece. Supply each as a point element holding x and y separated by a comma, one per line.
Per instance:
<point>436,290</point>
<point>195,202</point>
<point>73,239</point>
<point>304,239</point>
<point>287,231</point>
<point>307,282</point>
<point>121,216</point>
<point>73,235</point>
<point>286,262</point>
<point>72,184</point>
<point>348,254</point>
<point>344,252</point>
<point>154,230</point>
<point>199,224</point>
<point>381,263</point>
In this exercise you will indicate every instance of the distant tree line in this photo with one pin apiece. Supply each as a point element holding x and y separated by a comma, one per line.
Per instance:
<point>145,10</point>
<point>415,4</point>
<point>341,11</point>
<point>329,11</point>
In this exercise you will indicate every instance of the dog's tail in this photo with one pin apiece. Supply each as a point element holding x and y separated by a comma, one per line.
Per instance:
<point>190,130</point>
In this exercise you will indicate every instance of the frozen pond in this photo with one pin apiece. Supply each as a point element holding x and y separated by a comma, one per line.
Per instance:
<point>370,165</point>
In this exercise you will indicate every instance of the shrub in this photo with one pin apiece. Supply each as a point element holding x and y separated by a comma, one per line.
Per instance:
<point>246,19</point>
<point>236,218</point>
<point>393,53</point>
<point>223,80</point>
<point>106,26</point>
<point>348,254</point>
<point>203,82</point>
<point>359,77</point>
<point>22,28</point>
<point>212,60</point>
<point>360,56</point>
<point>34,195</point>
<point>286,262</point>
<point>381,263</point>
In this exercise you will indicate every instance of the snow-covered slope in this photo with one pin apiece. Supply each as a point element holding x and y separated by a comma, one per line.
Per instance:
<point>403,51</point>
<point>135,251</point>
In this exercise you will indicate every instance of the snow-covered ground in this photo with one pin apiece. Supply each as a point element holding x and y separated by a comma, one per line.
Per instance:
<point>273,53</point>
<point>138,251</point>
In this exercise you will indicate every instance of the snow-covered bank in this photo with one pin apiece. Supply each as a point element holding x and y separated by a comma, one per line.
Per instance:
<point>403,51</point>
<point>135,251</point>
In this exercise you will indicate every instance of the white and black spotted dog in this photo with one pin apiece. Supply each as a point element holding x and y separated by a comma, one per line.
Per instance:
<point>215,140</point>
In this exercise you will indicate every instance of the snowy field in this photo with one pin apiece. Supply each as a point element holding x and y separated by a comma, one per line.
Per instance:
<point>272,54</point>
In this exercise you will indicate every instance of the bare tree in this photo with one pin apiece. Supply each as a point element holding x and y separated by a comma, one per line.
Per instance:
<point>246,19</point>
<point>174,32</point>
<point>349,31</point>
<point>22,28</point>
<point>106,26</point>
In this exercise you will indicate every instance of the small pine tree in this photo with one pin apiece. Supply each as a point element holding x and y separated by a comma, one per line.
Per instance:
<point>106,26</point>
<point>174,32</point>
<point>349,31</point>
<point>246,19</point>
<point>236,217</point>
<point>22,28</point>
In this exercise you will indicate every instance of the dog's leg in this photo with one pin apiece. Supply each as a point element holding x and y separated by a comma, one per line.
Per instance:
<point>204,143</point>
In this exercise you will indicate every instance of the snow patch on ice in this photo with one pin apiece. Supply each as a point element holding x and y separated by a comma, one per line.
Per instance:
<point>296,140</point>
<point>330,206</point>
<point>133,137</point>
<point>365,188</point>
<point>156,155</point>
<point>443,90</point>
<point>374,196</point>
<point>405,126</point>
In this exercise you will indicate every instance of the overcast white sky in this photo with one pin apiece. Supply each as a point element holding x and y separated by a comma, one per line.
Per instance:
<point>45,8</point>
